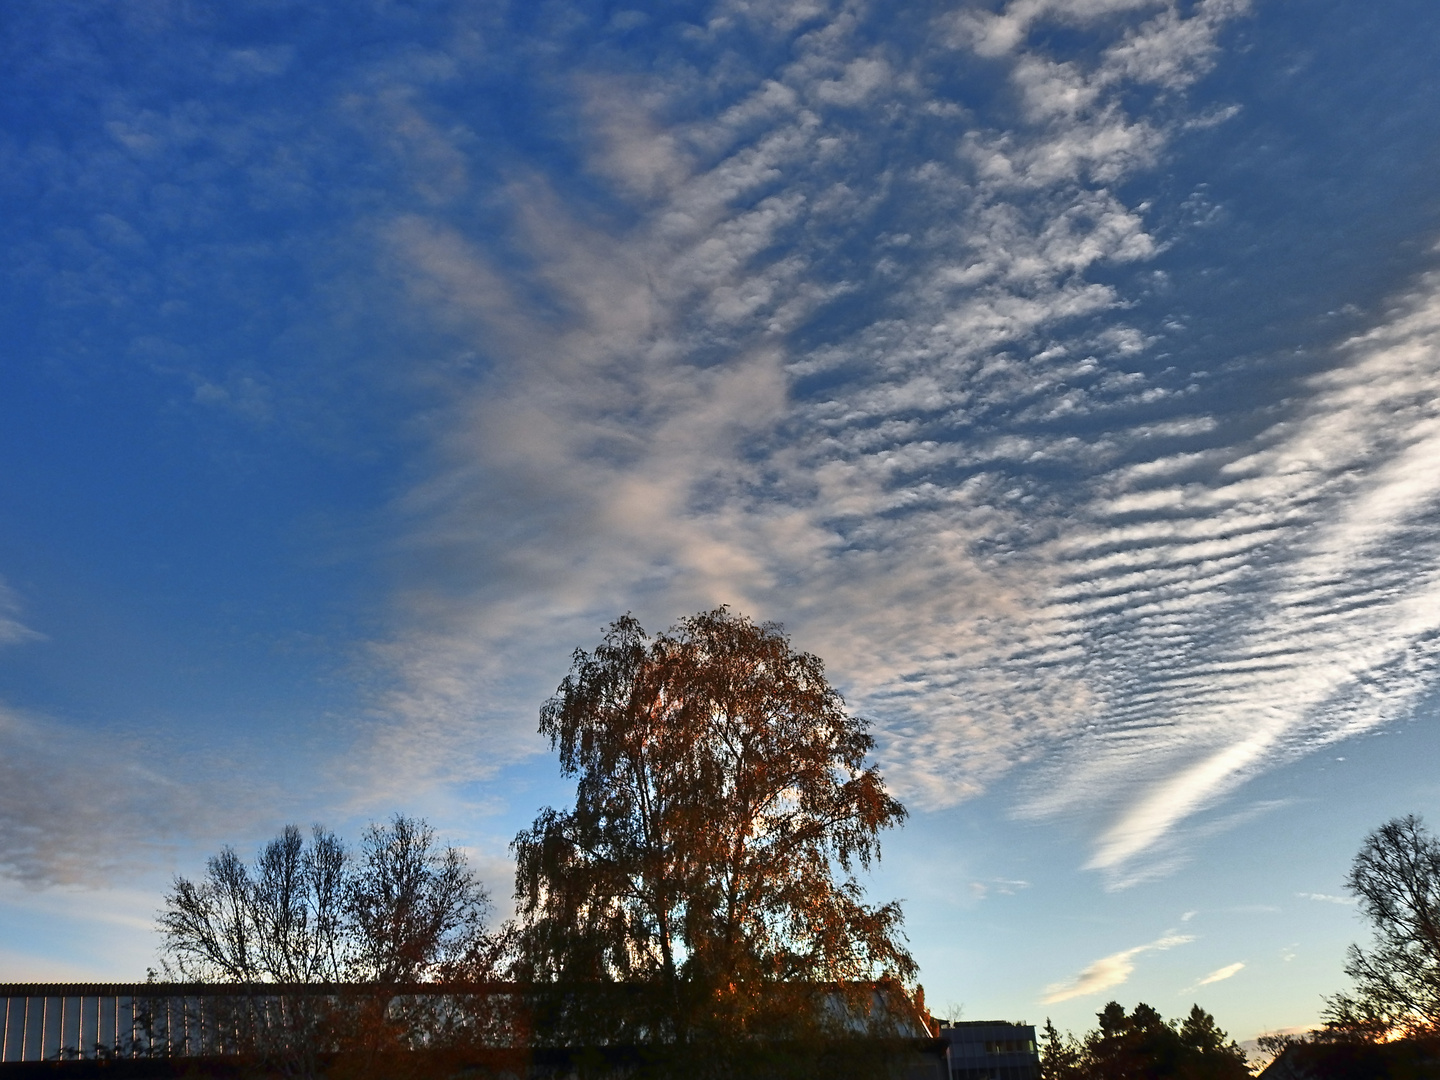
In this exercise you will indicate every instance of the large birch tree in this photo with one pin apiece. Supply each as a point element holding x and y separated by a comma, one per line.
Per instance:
<point>708,868</point>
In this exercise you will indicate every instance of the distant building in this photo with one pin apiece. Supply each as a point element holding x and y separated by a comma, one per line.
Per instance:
<point>991,1050</point>
<point>191,1029</point>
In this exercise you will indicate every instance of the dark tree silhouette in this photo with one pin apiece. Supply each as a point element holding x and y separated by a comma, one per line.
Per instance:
<point>723,806</point>
<point>1143,1046</point>
<point>280,922</point>
<point>1396,878</point>
<point>1060,1055</point>
<point>1207,1050</point>
<point>404,911</point>
<point>414,911</point>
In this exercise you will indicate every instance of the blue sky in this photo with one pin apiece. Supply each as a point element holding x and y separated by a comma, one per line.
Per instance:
<point>1063,372</point>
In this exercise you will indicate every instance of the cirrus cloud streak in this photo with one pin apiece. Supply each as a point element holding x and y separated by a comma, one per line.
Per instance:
<point>1108,971</point>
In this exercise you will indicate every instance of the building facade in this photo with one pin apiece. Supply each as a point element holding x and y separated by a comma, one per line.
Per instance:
<point>54,1022</point>
<point>991,1050</point>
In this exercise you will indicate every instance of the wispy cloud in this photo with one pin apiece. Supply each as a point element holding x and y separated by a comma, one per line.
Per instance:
<point>1108,971</point>
<point>778,356</point>
<point>12,630</point>
<point>88,807</point>
<point>998,887</point>
<point>686,419</point>
<point>1221,974</point>
<point>1326,898</point>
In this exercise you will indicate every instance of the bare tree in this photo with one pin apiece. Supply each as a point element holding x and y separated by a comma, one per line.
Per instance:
<point>402,909</point>
<point>279,923</point>
<point>1396,878</point>
<point>415,911</point>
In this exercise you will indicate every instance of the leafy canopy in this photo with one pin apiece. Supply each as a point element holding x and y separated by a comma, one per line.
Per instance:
<point>723,807</point>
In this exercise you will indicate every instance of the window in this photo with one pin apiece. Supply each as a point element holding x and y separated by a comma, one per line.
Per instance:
<point>1010,1046</point>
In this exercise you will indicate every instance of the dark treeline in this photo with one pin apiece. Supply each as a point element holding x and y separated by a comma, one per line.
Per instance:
<point>1142,1045</point>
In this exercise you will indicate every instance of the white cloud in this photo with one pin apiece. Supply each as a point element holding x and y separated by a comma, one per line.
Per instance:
<point>861,78</point>
<point>997,33</point>
<point>1221,973</point>
<point>1172,51</point>
<point>1108,971</point>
